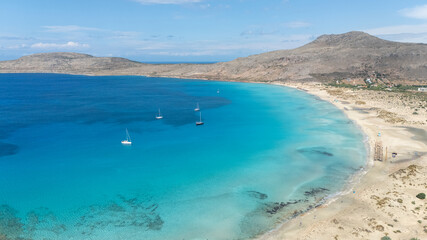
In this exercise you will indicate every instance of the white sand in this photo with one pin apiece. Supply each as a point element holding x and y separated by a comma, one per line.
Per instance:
<point>383,203</point>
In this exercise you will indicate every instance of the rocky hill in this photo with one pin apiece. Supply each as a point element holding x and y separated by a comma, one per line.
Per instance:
<point>329,57</point>
<point>63,62</point>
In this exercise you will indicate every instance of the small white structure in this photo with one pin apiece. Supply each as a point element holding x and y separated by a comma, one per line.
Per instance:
<point>422,89</point>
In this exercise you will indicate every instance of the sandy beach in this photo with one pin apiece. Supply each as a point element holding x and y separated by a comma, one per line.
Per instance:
<point>382,201</point>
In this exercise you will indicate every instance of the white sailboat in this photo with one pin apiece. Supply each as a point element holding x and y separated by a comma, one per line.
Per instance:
<point>200,122</point>
<point>159,116</point>
<point>128,141</point>
<point>217,91</point>
<point>197,108</point>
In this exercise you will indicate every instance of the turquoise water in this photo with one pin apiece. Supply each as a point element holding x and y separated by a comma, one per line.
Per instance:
<point>265,154</point>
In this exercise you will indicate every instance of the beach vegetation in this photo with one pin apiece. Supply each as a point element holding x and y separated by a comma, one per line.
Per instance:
<point>378,87</point>
<point>379,228</point>
<point>421,196</point>
<point>386,238</point>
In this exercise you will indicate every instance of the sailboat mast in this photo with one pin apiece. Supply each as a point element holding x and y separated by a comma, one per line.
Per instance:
<point>127,135</point>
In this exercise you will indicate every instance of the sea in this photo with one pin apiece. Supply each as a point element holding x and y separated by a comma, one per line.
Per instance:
<point>265,154</point>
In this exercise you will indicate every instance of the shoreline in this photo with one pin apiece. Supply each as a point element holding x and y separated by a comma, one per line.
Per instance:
<point>353,180</point>
<point>322,222</point>
<point>335,217</point>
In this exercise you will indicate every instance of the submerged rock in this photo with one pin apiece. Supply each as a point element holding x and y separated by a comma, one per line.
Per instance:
<point>315,191</point>
<point>257,195</point>
<point>43,219</point>
<point>134,212</point>
<point>11,226</point>
<point>155,223</point>
<point>316,150</point>
<point>273,208</point>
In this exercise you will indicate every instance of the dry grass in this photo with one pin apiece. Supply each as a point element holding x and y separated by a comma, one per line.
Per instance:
<point>390,117</point>
<point>335,92</point>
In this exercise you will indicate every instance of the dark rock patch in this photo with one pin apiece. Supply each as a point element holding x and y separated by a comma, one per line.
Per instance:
<point>43,219</point>
<point>275,207</point>
<point>315,191</point>
<point>257,195</point>
<point>316,150</point>
<point>135,212</point>
<point>11,226</point>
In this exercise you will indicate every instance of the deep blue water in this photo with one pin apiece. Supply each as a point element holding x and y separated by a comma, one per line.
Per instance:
<point>264,154</point>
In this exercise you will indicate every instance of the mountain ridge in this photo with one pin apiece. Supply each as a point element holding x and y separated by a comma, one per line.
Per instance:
<point>329,57</point>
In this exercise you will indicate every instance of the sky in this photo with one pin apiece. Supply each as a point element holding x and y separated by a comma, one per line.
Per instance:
<point>196,30</point>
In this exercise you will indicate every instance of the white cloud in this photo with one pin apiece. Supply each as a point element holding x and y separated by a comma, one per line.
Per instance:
<point>398,29</point>
<point>18,46</point>
<point>69,28</point>
<point>184,54</point>
<point>297,24</point>
<point>416,33</point>
<point>68,45</point>
<point>402,33</point>
<point>125,35</point>
<point>79,32</point>
<point>177,2</point>
<point>212,48</point>
<point>257,32</point>
<point>419,12</point>
<point>406,37</point>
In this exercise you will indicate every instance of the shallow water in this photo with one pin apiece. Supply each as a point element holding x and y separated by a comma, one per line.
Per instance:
<point>264,154</point>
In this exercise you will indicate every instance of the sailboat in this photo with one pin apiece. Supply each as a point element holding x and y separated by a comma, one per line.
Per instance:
<point>199,122</point>
<point>197,108</point>
<point>159,116</point>
<point>128,141</point>
<point>217,91</point>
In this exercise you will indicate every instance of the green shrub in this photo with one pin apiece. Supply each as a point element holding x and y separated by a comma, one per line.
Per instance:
<point>421,195</point>
<point>415,239</point>
<point>386,238</point>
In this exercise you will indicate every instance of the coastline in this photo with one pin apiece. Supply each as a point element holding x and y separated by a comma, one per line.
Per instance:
<point>358,212</point>
<point>334,218</point>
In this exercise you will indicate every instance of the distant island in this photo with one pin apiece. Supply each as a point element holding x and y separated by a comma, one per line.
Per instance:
<point>350,57</point>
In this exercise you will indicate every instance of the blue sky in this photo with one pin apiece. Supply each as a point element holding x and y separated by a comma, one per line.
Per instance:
<point>196,30</point>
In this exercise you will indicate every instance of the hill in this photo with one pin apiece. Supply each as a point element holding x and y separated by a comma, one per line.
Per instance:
<point>355,55</point>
